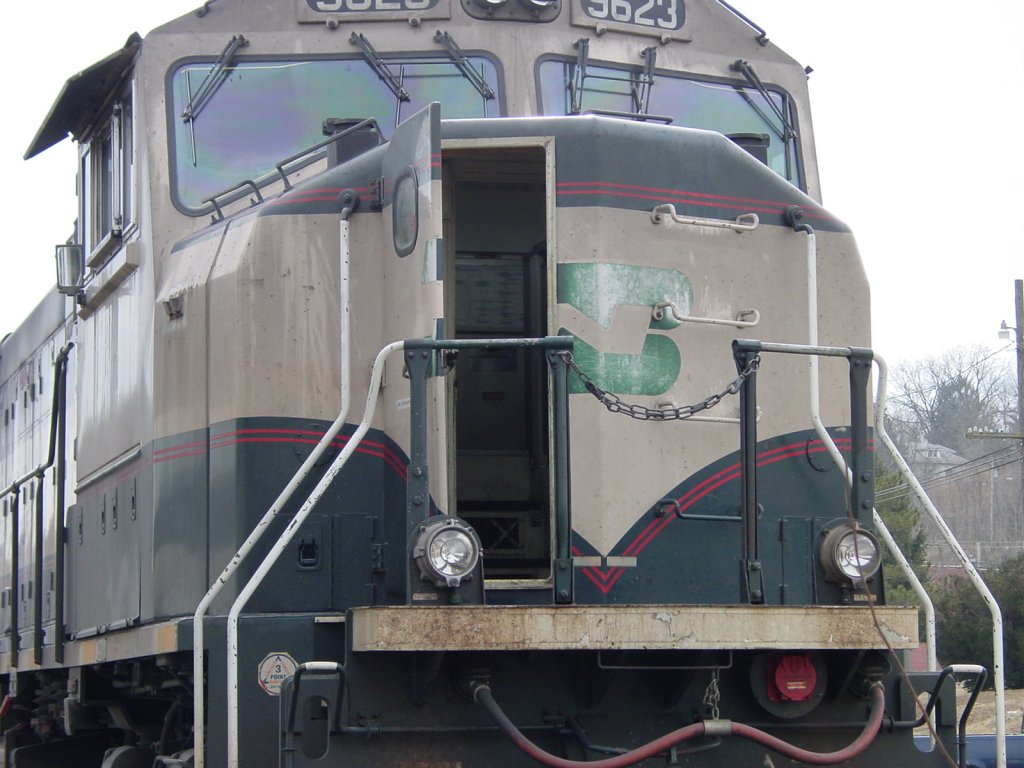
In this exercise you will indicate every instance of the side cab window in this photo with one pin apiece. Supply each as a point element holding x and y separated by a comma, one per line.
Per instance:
<point>105,181</point>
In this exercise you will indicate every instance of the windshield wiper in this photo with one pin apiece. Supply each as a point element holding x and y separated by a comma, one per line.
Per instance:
<point>460,61</point>
<point>378,65</point>
<point>788,132</point>
<point>642,88</point>
<point>639,84</point>
<point>579,75</point>
<point>213,80</point>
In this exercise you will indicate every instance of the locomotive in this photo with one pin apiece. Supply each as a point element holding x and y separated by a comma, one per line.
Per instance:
<point>448,383</point>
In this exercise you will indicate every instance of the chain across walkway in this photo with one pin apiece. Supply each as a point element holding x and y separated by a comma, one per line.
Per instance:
<point>615,404</point>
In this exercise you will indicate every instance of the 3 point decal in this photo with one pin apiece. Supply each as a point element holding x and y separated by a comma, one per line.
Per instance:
<point>274,669</point>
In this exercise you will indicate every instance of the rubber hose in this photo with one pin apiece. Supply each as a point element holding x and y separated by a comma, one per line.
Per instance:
<point>482,695</point>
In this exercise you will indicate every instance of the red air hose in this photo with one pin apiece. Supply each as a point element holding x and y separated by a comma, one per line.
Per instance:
<point>482,695</point>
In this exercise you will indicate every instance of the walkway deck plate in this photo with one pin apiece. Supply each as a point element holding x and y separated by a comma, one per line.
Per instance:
<point>652,627</point>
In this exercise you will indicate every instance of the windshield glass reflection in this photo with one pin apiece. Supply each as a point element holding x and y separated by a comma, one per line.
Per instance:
<point>264,111</point>
<point>735,110</point>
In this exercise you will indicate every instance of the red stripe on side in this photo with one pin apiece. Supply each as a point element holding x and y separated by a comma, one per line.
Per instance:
<point>605,580</point>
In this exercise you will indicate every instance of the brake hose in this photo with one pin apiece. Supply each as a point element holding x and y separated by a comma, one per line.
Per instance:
<point>482,695</point>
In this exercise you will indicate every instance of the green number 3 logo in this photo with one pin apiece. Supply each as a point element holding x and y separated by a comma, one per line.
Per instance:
<point>601,292</point>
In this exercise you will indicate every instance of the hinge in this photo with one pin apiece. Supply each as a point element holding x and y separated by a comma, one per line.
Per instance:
<point>377,195</point>
<point>377,558</point>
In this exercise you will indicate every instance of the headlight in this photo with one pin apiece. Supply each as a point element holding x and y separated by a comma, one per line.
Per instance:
<point>446,551</point>
<point>850,553</point>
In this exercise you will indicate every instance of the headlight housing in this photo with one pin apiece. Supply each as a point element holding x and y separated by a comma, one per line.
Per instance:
<point>850,553</point>
<point>447,551</point>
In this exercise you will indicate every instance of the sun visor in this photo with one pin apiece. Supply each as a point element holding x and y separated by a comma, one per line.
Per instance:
<point>82,96</point>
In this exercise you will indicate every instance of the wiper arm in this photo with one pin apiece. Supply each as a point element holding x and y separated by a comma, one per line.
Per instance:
<point>460,61</point>
<point>642,89</point>
<point>579,75</point>
<point>640,84</point>
<point>788,132</point>
<point>378,65</point>
<point>213,80</point>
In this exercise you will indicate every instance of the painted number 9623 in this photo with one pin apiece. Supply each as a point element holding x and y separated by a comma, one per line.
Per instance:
<point>662,14</point>
<point>359,6</point>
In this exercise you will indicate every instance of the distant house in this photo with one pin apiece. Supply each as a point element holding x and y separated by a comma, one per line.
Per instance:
<point>929,458</point>
<point>978,499</point>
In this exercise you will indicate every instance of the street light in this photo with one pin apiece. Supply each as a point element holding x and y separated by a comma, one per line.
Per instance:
<point>1004,334</point>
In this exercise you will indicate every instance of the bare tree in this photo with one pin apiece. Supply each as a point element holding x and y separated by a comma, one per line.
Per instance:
<point>939,399</point>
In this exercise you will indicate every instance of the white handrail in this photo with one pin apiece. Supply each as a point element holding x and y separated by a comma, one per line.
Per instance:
<point>344,294</point>
<point>745,222</point>
<point>998,672</point>
<point>658,314</point>
<point>837,456</point>
<point>285,539</point>
<point>947,534</point>
<point>881,397</point>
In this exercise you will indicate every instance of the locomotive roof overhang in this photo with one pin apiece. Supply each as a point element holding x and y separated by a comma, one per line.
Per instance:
<point>83,96</point>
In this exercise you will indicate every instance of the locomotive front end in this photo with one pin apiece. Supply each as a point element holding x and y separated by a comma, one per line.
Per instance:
<point>504,354</point>
<point>621,526</point>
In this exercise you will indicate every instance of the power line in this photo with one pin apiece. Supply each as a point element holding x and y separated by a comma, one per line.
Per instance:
<point>940,480</point>
<point>959,469</point>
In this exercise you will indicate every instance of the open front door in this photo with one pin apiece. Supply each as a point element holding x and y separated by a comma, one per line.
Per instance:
<point>413,300</point>
<point>496,233</point>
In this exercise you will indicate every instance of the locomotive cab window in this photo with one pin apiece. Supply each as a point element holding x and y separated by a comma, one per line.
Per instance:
<point>257,113</point>
<point>758,119</point>
<point>499,400</point>
<point>106,162</point>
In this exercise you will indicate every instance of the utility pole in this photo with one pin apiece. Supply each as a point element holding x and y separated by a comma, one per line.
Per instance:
<point>1004,333</point>
<point>1018,286</point>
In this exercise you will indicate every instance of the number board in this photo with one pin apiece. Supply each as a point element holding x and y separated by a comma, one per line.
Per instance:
<point>653,17</point>
<point>324,11</point>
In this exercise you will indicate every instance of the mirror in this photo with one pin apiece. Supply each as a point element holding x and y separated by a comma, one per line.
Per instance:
<point>70,269</point>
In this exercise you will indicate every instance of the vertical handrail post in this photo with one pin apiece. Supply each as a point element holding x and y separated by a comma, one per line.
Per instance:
<point>37,595</point>
<point>417,494</point>
<point>563,575</point>
<point>15,566</point>
<point>753,582</point>
<point>862,484</point>
<point>61,525</point>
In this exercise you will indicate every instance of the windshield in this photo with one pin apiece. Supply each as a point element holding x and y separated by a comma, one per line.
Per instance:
<point>740,112</point>
<point>263,111</point>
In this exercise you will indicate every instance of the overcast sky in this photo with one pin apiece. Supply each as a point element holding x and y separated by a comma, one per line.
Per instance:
<point>918,110</point>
